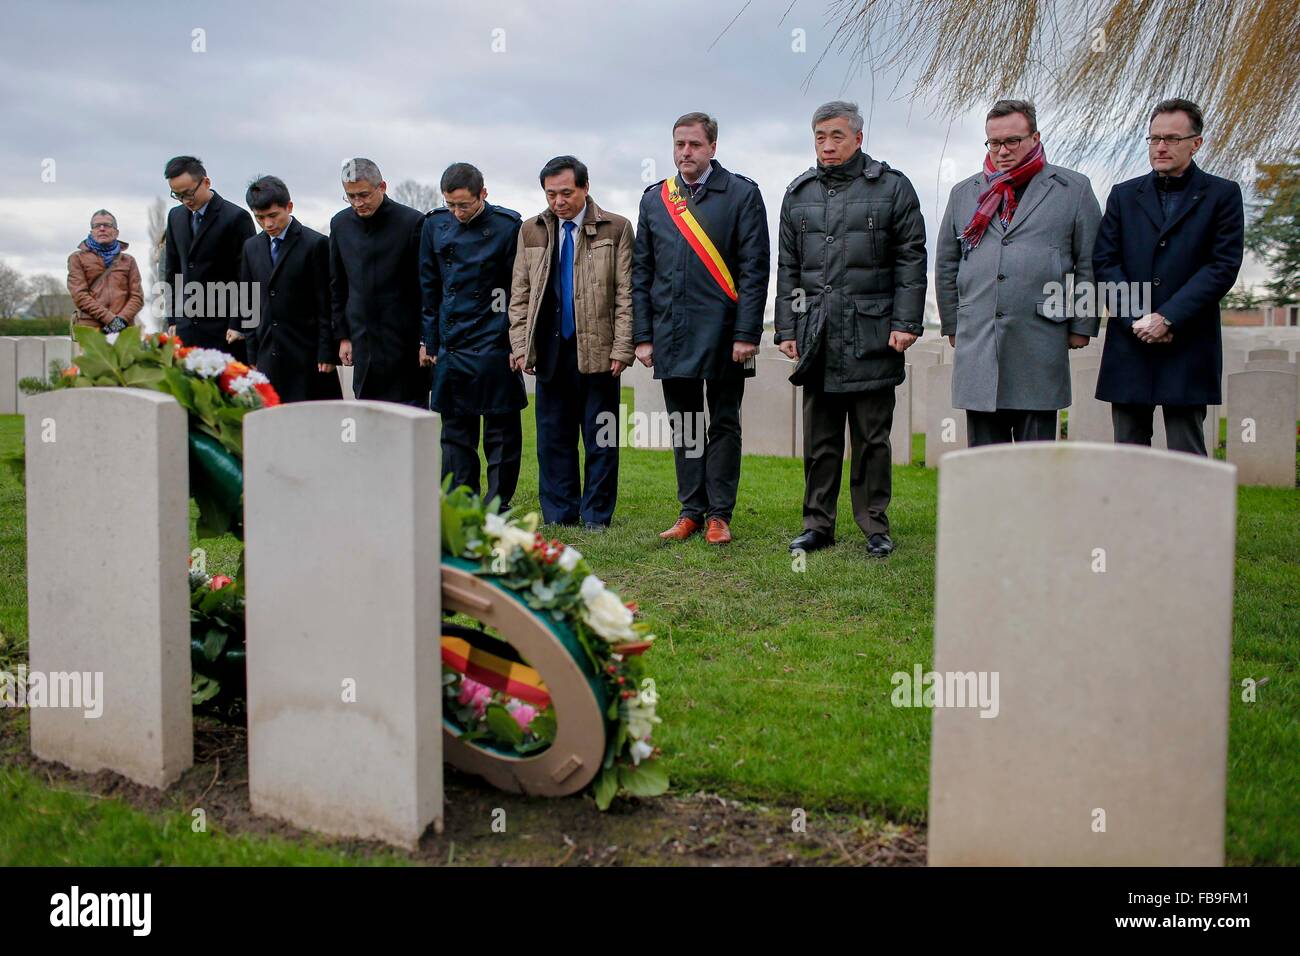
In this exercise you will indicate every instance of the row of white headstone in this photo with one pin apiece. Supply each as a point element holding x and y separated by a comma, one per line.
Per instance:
<point>28,356</point>
<point>1107,627</point>
<point>1260,386</point>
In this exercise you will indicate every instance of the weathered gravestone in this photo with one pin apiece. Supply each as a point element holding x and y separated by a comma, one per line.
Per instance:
<point>945,426</point>
<point>1262,427</point>
<point>107,594</point>
<point>1108,626</point>
<point>1268,355</point>
<point>342,546</point>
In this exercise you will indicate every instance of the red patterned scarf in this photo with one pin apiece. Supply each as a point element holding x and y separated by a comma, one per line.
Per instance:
<point>1000,192</point>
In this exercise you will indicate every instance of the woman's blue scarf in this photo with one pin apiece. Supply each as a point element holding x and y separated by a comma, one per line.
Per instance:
<point>107,253</point>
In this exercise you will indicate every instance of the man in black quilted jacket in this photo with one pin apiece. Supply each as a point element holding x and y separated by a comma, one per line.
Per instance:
<point>850,300</point>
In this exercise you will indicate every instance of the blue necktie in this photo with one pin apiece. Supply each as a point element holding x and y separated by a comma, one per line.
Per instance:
<point>566,282</point>
<point>196,220</point>
<point>275,251</point>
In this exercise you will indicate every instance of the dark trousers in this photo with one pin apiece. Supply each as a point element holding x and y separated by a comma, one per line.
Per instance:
<point>1184,426</point>
<point>210,334</point>
<point>706,483</point>
<point>1010,424</point>
<point>502,446</point>
<point>870,415</point>
<point>566,403</point>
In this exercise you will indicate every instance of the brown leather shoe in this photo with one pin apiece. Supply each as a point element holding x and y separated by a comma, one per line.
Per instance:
<point>718,532</point>
<point>683,529</point>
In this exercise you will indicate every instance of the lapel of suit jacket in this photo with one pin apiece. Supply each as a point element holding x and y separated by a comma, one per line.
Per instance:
<point>1195,190</point>
<point>290,235</point>
<point>1150,202</point>
<point>209,220</point>
<point>1035,193</point>
<point>184,236</point>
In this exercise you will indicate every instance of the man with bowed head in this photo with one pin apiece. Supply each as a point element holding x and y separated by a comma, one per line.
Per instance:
<point>699,285</point>
<point>1010,236</point>
<point>375,289</point>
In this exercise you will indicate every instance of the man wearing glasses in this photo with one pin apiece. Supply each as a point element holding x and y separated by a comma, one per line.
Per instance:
<point>205,240</point>
<point>1009,238</point>
<point>1179,231</point>
<point>375,289</point>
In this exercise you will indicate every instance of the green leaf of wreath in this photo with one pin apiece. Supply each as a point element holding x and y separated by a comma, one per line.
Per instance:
<point>648,779</point>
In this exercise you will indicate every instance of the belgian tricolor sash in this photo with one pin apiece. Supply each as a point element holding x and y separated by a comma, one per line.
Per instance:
<point>510,677</point>
<point>678,206</point>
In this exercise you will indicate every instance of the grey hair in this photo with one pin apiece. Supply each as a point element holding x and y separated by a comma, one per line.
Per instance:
<point>362,171</point>
<point>839,108</point>
<point>103,212</point>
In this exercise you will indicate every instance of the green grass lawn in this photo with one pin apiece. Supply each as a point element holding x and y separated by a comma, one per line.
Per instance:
<point>775,681</point>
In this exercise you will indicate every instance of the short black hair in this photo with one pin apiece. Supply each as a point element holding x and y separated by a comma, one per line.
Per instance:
<point>1181,106</point>
<point>265,192</point>
<point>180,165</point>
<point>462,176</point>
<point>559,164</point>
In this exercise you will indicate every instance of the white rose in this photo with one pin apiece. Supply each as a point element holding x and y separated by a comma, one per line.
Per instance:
<point>641,750</point>
<point>592,587</point>
<point>608,616</point>
<point>568,559</point>
<point>507,533</point>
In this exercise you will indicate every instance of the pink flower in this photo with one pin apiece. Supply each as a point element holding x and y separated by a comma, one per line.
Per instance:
<point>523,715</point>
<point>219,582</point>
<point>475,695</point>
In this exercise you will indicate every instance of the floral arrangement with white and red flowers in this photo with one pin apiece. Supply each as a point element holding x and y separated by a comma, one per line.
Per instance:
<point>554,578</point>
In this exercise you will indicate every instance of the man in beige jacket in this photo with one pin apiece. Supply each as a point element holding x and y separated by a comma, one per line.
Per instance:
<point>571,326</point>
<point>103,280</point>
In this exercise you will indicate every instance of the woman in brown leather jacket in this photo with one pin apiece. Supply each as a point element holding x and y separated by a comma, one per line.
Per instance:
<point>104,281</point>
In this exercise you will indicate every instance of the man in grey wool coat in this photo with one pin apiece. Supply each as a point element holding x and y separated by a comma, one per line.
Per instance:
<point>1009,238</point>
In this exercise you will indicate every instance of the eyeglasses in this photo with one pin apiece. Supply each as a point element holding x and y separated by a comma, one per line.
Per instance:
<point>462,206</point>
<point>103,225</point>
<point>355,198</point>
<point>189,193</point>
<point>1011,142</point>
<point>1169,140</point>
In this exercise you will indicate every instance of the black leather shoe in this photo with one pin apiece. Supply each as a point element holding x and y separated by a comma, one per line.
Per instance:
<point>811,540</point>
<point>880,546</point>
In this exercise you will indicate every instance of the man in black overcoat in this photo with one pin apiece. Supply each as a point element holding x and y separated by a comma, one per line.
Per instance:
<point>292,342</point>
<point>375,288</point>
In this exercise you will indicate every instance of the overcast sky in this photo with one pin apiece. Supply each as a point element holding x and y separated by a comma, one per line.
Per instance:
<point>97,96</point>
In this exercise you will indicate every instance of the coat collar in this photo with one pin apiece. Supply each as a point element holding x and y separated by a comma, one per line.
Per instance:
<point>593,216</point>
<point>1035,192</point>
<point>1197,180</point>
<point>209,217</point>
<point>290,237</point>
<point>82,247</point>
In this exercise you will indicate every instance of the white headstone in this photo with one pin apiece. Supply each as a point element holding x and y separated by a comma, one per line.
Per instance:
<point>345,381</point>
<point>107,578</point>
<point>344,688</point>
<point>1268,354</point>
<point>1262,427</point>
<point>58,348</point>
<point>945,426</point>
<point>1090,418</point>
<point>767,412</point>
<point>29,355</point>
<point>920,361</point>
<point>1109,628</point>
<point>900,432</point>
<point>8,375</point>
